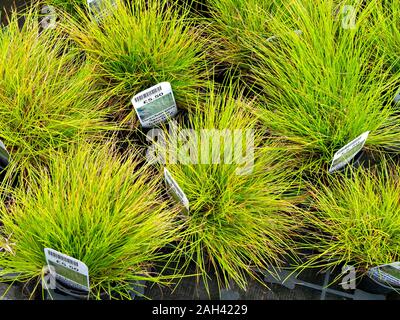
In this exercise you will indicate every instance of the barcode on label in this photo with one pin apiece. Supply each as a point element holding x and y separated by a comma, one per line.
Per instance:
<point>147,94</point>
<point>57,256</point>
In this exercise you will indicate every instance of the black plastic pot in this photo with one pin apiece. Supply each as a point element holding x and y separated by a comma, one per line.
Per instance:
<point>4,160</point>
<point>357,161</point>
<point>65,292</point>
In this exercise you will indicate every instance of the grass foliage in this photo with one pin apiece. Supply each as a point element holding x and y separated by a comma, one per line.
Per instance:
<point>355,219</point>
<point>97,206</point>
<point>48,96</point>
<point>385,25</point>
<point>66,5</point>
<point>234,24</point>
<point>240,215</point>
<point>322,89</point>
<point>141,44</point>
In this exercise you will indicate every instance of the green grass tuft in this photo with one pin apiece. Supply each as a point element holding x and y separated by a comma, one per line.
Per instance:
<point>322,89</point>
<point>236,23</point>
<point>48,96</point>
<point>97,206</point>
<point>142,44</point>
<point>355,218</point>
<point>236,221</point>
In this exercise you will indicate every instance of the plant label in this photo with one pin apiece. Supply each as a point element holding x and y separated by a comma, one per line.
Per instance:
<point>387,274</point>
<point>4,156</point>
<point>68,270</point>
<point>396,99</point>
<point>348,152</point>
<point>98,8</point>
<point>155,105</point>
<point>175,190</point>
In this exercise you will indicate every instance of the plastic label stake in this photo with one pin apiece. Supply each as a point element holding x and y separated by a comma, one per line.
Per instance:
<point>175,190</point>
<point>155,105</point>
<point>68,270</point>
<point>396,99</point>
<point>4,156</point>
<point>348,152</point>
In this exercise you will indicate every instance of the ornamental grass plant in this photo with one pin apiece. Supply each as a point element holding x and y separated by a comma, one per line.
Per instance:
<point>385,34</point>
<point>48,96</point>
<point>70,6</point>
<point>324,88</point>
<point>354,218</point>
<point>140,44</point>
<point>95,205</point>
<point>234,25</point>
<point>240,191</point>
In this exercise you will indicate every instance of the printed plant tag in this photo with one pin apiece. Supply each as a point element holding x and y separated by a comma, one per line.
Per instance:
<point>348,152</point>
<point>155,105</point>
<point>68,270</point>
<point>387,274</point>
<point>4,156</point>
<point>175,190</point>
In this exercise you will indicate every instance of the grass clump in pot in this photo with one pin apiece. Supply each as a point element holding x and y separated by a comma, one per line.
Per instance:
<point>324,88</point>
<point>239,216</point>
<point>94,205</point>
<point>354,218</point>
<point>48,96</point>
<point>385,33</point>
<point>140,44</point>
<point>236,26</point>
<point>66,5</point>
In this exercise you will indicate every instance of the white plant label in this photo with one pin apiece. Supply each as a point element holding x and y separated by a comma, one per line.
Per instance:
<point>349,17</point>
<point>155,105</point>
<point>68,270</point>
<point>387,273</point>
<point>175,189</point>
<point>348,152</point>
